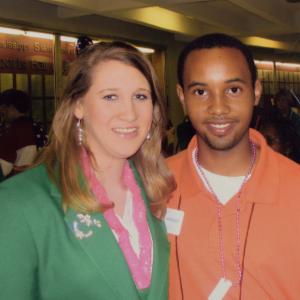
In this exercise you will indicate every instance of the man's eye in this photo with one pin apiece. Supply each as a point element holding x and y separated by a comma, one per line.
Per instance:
<point>200,92</point>
<point>110,97</point>
<point>234,90</point>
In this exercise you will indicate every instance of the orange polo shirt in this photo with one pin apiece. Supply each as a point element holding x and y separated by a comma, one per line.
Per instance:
<point>270,231</point>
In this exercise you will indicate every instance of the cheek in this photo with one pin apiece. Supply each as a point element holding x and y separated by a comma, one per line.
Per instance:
<point>146,114</point>
<point>195,111</point>
<point>96,118</point>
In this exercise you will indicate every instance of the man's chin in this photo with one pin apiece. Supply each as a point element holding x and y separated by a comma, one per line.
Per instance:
<point>220,144</point>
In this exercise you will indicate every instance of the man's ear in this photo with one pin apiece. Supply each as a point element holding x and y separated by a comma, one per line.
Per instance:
<point>257,91</point>
<point>78,109</point>
<point>180,95</point>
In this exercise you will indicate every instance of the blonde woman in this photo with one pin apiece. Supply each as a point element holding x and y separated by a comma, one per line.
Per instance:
<point>85,223</point>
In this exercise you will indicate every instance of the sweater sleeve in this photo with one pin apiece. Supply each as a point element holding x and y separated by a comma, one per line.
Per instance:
<point>18,256</point>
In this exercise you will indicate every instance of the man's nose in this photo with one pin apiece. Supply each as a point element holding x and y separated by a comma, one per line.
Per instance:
<point>218,104</point>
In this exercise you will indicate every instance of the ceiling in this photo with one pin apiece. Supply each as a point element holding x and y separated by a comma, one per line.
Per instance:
<point>266,23</point>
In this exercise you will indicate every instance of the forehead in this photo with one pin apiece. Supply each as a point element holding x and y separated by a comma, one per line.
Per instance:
<point>117,72</point>
<point>220,63</point>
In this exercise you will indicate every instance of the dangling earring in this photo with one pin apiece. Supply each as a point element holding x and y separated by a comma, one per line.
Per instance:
<point>79,133</point>
<point>148,137</point>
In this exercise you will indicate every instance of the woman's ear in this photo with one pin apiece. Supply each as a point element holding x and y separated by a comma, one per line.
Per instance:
<point>78,110</point>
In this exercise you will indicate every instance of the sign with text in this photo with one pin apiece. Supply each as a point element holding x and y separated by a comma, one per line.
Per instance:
<point>22,54</point>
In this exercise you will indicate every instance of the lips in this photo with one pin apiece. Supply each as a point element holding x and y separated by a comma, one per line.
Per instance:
<point>125,129</point>
<point>220,128</point>
<point>126,132</point>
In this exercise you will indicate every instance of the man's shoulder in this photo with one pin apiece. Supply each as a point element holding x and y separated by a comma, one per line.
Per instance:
<point>287,166</point>
<point>175,161</point>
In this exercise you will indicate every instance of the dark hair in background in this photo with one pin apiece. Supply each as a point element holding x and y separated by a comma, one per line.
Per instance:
<point>285,132</point>
<point>82,43</point>
<point>16,98</point>
<point>215,40</point>
<point>285,94</point>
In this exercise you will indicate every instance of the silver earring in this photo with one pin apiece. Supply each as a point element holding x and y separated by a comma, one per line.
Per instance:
<point>148,137</point>
<point>79,133</point>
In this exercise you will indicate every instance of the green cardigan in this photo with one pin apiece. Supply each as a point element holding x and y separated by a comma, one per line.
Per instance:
<point>42,256</point>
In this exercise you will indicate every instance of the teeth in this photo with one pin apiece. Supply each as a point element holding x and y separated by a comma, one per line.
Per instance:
<point>125,130</point>
<point>220,126</point>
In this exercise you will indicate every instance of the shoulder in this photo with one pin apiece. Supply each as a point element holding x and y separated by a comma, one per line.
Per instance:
<point>175,161</point>
<point>289,169</point>
<point>30,178</point>
<point>28,190</point>
<point>281,179</point>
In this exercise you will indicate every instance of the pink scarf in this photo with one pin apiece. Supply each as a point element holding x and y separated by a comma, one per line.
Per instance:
<point>140,267</point>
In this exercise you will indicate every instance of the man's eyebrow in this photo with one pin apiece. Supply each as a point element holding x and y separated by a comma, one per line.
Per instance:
<point>196,83</point>
<point>237,79</point>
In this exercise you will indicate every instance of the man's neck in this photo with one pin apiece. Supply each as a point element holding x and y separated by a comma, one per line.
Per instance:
<point>233,162</point>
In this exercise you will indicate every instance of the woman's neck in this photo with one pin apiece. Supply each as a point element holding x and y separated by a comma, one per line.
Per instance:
<point>110,175</point>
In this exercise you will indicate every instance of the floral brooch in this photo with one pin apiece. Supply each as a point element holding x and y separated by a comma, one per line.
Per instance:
<point>85,220</point>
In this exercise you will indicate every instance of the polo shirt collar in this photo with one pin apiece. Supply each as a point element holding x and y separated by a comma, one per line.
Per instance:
<point>261,187</point>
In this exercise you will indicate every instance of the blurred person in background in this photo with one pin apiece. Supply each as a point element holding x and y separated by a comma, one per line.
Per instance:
<point>282,137</point>
<point>283,101</point>
<point>17,141</point>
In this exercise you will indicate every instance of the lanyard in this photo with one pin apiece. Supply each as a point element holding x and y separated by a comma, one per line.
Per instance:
<point>238,212</point>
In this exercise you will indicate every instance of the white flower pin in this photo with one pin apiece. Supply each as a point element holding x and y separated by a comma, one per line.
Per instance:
<point>85,220</point>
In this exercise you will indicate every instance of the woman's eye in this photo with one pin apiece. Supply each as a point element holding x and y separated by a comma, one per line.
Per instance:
<point>234,90</point>
<point>110,97</point>
<point>141,97</point>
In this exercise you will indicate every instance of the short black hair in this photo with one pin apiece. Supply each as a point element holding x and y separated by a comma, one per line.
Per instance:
<point>215,40</point>
<point>16,98</point>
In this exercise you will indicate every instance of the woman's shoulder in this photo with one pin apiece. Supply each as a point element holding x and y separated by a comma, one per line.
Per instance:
<point>28,189</point>
<point>27,179</point>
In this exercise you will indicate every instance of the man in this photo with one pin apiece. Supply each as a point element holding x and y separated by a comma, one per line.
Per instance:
<point>17,142</point>
<point>240,232</point>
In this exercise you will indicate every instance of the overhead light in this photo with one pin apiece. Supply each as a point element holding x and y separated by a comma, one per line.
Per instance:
<point>264,64</point>
<point>69,39</point>
<point>287,66</point>
<point>11,31</point>
<point>14,31</point>
<point>40,35</point>
<point>145,50</point>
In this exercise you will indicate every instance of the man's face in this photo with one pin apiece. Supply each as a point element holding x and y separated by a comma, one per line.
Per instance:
<point>218,96</point>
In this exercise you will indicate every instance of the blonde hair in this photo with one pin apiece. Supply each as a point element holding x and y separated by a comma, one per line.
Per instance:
<point>62,154</point>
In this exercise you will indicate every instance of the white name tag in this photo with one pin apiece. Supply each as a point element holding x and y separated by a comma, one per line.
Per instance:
<point>220,290</point>
<point>173,220</point>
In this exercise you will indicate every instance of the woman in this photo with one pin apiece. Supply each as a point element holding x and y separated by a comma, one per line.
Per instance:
<point>78,225</point>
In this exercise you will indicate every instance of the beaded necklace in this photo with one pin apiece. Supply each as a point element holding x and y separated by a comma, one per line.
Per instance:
<point>140,266</point>
<point>238,212</point>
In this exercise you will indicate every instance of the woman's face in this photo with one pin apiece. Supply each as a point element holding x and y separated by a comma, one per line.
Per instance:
<point>116,111</point>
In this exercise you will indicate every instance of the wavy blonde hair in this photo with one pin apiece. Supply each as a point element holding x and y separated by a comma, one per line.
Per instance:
<point>62,154</point>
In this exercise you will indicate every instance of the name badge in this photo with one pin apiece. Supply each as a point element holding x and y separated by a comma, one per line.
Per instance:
<point>220,290</point>
<point>173,220</point>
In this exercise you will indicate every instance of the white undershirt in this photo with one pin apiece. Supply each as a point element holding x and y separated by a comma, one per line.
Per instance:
<point>225,187</point>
